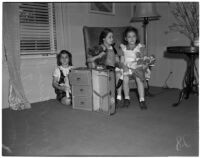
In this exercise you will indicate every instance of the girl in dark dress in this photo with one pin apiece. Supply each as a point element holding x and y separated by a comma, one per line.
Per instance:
<point>110,55</point>
<point>60,77</point>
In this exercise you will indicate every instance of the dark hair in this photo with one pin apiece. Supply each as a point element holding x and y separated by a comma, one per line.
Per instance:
<point>131,29</point>
<point>64,52</point>
<point>103,34</point>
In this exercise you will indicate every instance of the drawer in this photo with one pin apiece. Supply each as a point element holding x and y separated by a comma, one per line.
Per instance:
<point>83,103</point>
<point>80,77</point>
<point>81,90</point>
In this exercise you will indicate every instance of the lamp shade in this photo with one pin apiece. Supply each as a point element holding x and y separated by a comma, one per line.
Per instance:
<point>145,10</point>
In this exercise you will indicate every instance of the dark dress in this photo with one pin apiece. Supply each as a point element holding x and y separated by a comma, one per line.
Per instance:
<point>60,94</point>
<point>110,61</point>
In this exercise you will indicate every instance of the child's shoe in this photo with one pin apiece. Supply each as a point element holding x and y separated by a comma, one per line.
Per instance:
<point>118,104</point>
<point>118,101</point>
<point>142,105</point>
<point>126,102</point>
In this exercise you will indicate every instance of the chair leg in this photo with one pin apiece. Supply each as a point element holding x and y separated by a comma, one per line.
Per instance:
<point>147,93</point>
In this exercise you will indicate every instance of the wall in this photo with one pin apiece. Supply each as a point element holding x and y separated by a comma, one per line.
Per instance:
<point>70,18</point>
<point>158,40</point>
<point>78,16</point>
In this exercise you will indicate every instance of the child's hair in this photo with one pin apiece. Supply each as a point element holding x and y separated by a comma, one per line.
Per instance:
<point>131,29</point>
<point>64,52</point>
<point>103,34</point>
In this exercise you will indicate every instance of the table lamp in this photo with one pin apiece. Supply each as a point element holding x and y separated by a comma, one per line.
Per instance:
<point>145,12</point>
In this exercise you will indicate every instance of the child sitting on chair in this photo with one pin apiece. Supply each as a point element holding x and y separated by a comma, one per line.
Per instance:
<point>135,65</point>
<point>105,54</point>
<point>60,77</point>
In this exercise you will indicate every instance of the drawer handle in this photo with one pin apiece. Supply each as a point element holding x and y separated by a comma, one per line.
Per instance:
<point>82,103</point>
<point>81,90</point>
<point>78,78</point>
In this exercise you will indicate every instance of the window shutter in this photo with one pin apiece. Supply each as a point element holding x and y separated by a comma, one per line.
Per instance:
<point>37,28</point>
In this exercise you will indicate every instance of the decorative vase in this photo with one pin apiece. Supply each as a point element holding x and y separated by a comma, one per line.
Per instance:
<point>196,42</point>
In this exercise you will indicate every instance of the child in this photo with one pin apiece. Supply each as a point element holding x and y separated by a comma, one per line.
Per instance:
<point>133,50</point>
<point>112,58</point>
<point>60,77</point>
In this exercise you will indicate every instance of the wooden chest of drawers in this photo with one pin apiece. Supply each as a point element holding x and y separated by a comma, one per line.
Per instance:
<point>81,82</point>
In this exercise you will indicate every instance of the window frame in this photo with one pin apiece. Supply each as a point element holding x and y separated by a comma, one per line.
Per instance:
<point>53,35</point>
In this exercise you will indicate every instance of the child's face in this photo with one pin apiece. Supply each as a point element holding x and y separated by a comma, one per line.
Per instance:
<point>64,59</point>
<point>131,38</point>
<point>108,39</point>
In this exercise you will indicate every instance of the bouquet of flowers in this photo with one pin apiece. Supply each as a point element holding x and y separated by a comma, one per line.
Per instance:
<point>146,60</point>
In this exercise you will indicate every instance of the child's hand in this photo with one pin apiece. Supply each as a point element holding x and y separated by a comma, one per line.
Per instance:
<point>125,68</point>
<point>122,46</point>
<point>145,66</point>
<point>62,84</point>
<point>66,88</point>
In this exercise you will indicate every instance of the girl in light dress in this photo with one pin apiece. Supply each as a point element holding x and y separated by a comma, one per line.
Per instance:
<point>132,52</point>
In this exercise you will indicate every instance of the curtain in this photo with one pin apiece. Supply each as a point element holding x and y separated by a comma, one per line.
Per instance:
<point>11,47</point>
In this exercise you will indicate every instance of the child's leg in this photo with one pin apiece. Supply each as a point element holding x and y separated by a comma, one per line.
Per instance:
<point>126,90</point>
<point>66,101</point>
<point>119,90</point>
<point>126,86</point>
<point>140,87</point>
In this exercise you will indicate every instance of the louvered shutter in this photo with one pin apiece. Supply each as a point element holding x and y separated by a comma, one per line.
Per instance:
<point>37,28</point>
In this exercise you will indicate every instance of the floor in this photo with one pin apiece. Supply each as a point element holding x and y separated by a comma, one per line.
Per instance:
<point>51,129</point>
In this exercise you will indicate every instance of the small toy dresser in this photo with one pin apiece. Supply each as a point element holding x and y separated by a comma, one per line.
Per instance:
<point>81,82</point>
<point>93,90</point>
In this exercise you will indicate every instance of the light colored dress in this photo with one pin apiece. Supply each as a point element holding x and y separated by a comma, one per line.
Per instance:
<point>131,57</point>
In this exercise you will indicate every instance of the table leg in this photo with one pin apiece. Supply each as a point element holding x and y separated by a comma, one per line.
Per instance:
<point>188,80</point>
<point>181,95</point>
<point>189,77</point>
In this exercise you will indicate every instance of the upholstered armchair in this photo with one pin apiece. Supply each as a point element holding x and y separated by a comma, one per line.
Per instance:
<point>91,39</point>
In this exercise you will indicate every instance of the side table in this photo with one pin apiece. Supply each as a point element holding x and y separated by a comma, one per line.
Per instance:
<point>189,78</point>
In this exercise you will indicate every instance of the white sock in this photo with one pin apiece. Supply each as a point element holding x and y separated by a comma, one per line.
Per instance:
<point>127,97</point>
<point>141,99</point>
<point>119,97</point>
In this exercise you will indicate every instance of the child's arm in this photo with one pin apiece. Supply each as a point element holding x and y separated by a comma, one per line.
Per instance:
<point>92,59</point>
<point>117,59</point>
<point>122,59</point>
<point>55,84</point>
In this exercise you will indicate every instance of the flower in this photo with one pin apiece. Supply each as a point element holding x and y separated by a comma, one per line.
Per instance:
<point>146,60</point>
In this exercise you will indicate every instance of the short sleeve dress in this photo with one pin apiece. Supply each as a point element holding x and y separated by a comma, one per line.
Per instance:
<point>110,60</point>
<point>130,56</point>
<point>62,74</point>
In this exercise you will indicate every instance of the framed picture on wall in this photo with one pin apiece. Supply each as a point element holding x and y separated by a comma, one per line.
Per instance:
<point>102,8</point>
